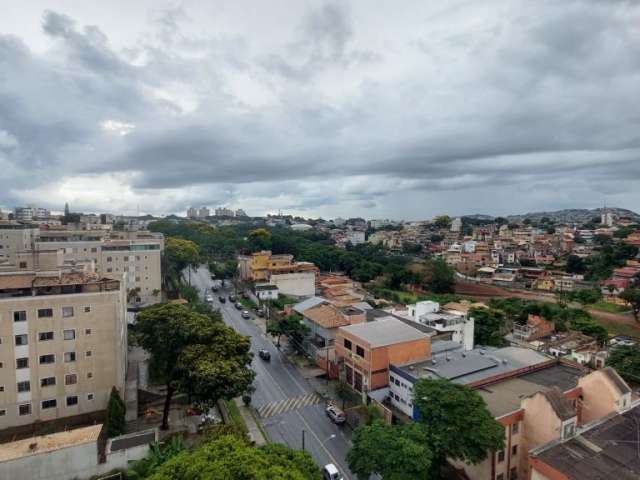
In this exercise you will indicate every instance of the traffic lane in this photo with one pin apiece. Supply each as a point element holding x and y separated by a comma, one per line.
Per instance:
<point>324,440</point>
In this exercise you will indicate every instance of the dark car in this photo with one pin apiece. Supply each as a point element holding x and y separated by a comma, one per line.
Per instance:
<point>214,288</point>
<point>239,306</point>
<point>232,298</point>
<point>260,312</point>
<point>222,299</point>
<point>264,355</point>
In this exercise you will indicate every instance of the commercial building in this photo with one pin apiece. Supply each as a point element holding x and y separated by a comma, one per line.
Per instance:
<point>366,350</point>
<point>63,334</point>
<point>224,212</point>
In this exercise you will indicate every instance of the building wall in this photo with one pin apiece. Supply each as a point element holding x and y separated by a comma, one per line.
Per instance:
<point>301,284</point>
<point>599,396</point>
<point>99,345</point>
<point>14,240</point>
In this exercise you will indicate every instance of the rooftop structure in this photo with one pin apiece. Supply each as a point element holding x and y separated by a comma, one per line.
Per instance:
<point>386,331</point>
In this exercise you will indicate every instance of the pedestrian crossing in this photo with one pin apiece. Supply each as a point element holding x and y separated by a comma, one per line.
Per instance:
<point>288,404</point>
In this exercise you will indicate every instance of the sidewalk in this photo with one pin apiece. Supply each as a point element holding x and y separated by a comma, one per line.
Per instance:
<point>254,431</point>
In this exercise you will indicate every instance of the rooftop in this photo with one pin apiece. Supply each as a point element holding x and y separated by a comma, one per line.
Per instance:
<point>49,443</point>
<point>604,449</point>
<point>308,303</point>
<point>326,316</point>
<point>385,331</point>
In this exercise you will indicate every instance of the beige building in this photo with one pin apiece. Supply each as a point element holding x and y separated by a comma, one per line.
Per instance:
<point>15,237</point>
<point>63,335</point>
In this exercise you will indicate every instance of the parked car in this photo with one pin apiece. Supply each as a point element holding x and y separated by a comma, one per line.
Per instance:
<point>214,288</point>
<point>336,415</point>
<point>209,298</point>
<point>245,314</point>
<point>239,306</point>
<point>232,298</point>
<point>264,355</point>
<point>222,299</point>
<point>331,472</point>
<point>260,312</point>
<point>245,294</point>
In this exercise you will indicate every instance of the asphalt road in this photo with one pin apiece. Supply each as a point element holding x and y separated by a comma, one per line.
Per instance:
<point>282,394</point>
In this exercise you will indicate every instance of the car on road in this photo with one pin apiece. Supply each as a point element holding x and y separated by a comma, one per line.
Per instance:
<point>336,415</point>
<point>245,314</point>
<point>331,472</point>
<point>239,306</point>
<point>214,288</point>
<point>232,298</point>
<point>264,355</point>
<point>222,299</point>
<point>209,298</point>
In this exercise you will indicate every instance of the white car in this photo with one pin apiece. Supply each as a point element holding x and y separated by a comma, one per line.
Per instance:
<point>331,472</point>
<point>209,298</point>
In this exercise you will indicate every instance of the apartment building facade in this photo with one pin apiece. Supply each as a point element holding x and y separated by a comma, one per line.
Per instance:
<point>63,337</point>
<point>15,237</point>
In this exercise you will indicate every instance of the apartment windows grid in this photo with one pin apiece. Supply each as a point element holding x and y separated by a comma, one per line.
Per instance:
<point>72,400</point>
<point>24,409</point>
<point>70,379</point>
<point>47,359</point>
<point>67,312</point>
<point>48,381</point>
<point>69,357</point>
<point>24,386</point>
<point>69,334</point>
<point>20,316</point>
<point>22,362</point>
<point>45,336</point>
<point>45,312</point>
<point>22,340</point>
<point>51,403</point>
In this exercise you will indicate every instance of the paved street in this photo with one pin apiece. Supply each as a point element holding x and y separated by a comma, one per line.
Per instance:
<point>287,402</point>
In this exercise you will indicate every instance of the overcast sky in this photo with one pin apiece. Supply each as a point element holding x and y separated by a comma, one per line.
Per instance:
<point>370,108</point>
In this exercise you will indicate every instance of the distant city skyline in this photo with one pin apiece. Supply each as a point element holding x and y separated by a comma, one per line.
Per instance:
<point>320,109</point>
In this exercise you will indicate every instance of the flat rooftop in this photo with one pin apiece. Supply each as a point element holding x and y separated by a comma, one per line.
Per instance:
<point>49,443</point>
<point>605,449</point>
<point>385,331</point>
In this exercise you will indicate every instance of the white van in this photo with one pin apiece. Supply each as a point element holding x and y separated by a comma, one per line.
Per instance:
<point>330,472</point>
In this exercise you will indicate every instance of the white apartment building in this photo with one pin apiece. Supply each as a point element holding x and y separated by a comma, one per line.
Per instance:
<point>63,336</point>
<point>27,214</point>
<point>355,237</point>
<point>456,224</point>
<point>15,237</point>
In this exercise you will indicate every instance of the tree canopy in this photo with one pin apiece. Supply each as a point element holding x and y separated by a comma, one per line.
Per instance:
<point>231,458</point>
<point>195,353</point>
<point>490,326</point>
<point>393,452</point>
<point>632,296</point>
<point>626,360</point>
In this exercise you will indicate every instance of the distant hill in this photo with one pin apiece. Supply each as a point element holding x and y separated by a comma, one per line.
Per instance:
<point>574,215</point>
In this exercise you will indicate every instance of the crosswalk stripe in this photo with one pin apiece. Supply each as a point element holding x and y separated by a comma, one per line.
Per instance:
<point>288,404</point>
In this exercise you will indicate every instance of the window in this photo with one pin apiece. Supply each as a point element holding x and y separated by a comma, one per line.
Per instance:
<point>20,316</point>
<point>24,409</point>
<point>1,388</point>
<point>88,353</point>
<point>49,403</point>
<point>67,312</point>
<point>94,250</point>
<point>109,259</point>
<point>514,450</point>
<point>44,359</point>
<point>72,400</point>
<point>515,427</point>
<point>569,430</point>
<point>359,351</point>
<point>24,386</point>
<point>501,456</point>
<point>391,379</point>
<point>69,334</point>
<point>3,412</point>
<point>22,339</point>
<point>109,270</point>
<point>69,357</point>
<point>514,474</point>
<point>45,336</point>
<point>70,379</point>
<point>48,382</point>
<point>87,309</point>
<point>89,396</point>
<point>22,362</point>
<point>347,344</point>
<point>45,313</point>
<point>500,476</point>
<point>90,375</point>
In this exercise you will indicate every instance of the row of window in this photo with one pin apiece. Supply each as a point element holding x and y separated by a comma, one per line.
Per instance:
<point>501,453</point>
<point>69,379</point>
<point>127,258</point>
<point>67,312</point>
<point>49,358</point>
<point>513,475</point>
<point>359,350</point>
<point>70,334</point>
<point>25,408</point>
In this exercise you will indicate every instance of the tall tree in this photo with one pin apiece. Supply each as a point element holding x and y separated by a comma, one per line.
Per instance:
<point>393,452</point>
<point>195,353</point>
<point>490,327</point>
<point>626,360</point>
<point>440,277</point>
<point>457,420</point>
<point>116,411</point>
<point>632,297</point>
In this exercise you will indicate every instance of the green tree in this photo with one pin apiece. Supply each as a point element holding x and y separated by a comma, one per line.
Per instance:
<point>490,327</point>
<point>181,253</point>
<point>440,276</point>
<point>626,360</point>
<point>231,458</point>
<point>116,410</point>
<point>260,239</point>
<point>575,264</point>
<point>442,221</point>
<point>194,353</point>
<point>343,392</point>
<point>133,295</point>
<point>632,297</point>
<point>393,452</point>
<point>459,425</point>
<point>292,327</point>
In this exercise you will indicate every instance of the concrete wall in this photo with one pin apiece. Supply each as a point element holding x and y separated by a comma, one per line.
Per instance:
<point>301,284</point>
<point>599,396</point>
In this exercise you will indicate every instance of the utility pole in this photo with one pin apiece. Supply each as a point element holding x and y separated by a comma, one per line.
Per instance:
<point>303,439</point>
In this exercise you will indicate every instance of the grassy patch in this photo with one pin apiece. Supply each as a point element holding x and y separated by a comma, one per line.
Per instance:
<point>247,303</point>
<point>236,416</point>
<point>618,328</point>
<point>608,307</point>
<point>401,296</point>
